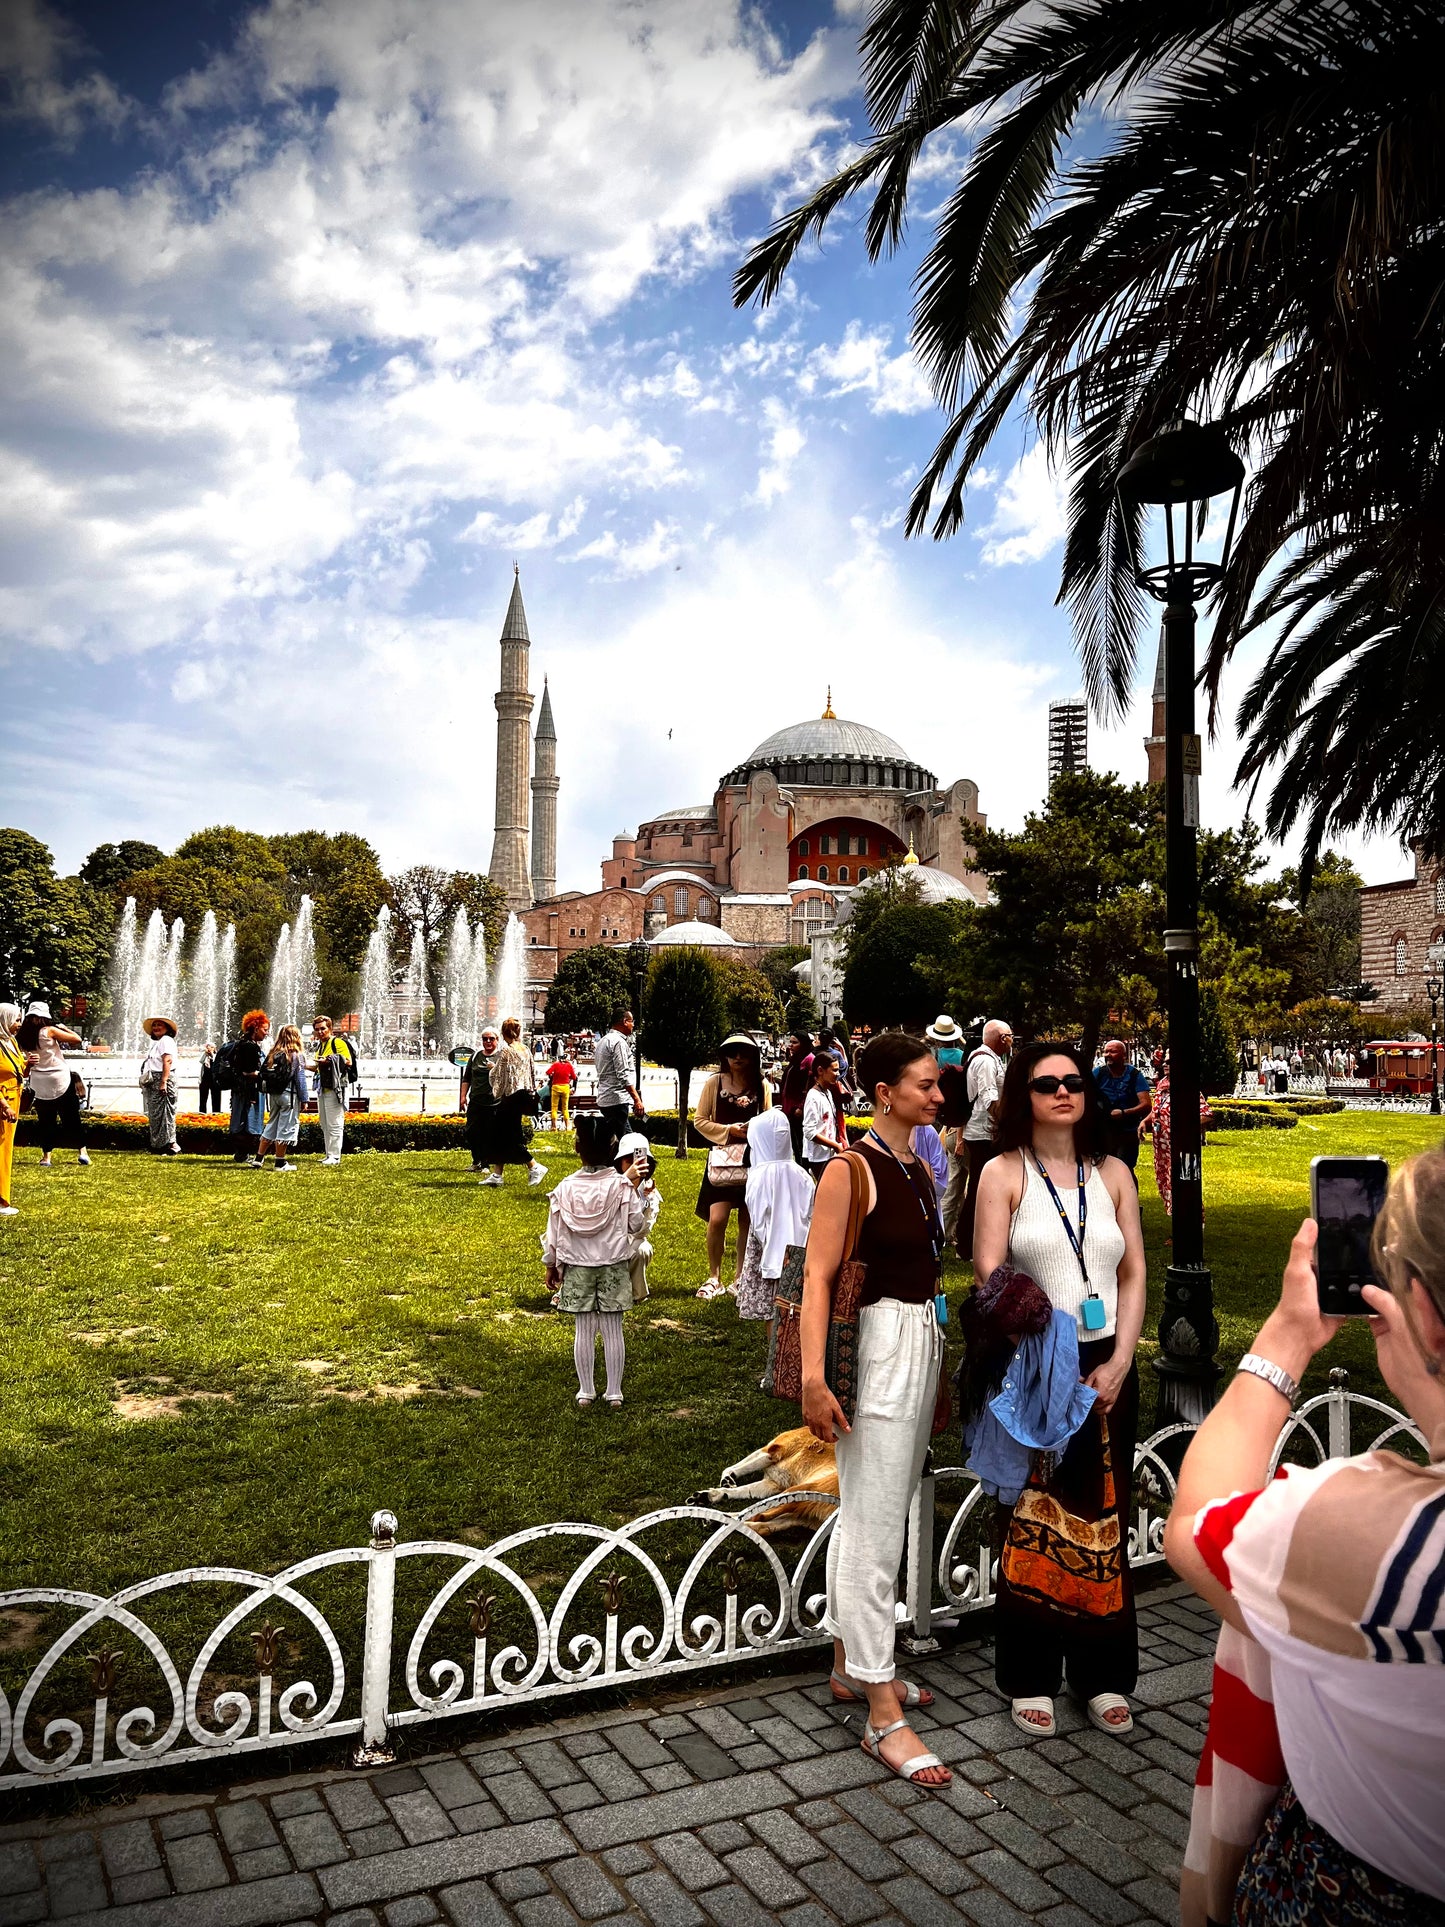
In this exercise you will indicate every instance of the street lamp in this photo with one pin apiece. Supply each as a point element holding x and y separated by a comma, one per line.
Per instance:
<point>638,957</point>
<point>1434,983</point>
<point>1181,470</point>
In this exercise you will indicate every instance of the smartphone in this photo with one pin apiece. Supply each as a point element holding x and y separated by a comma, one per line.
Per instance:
<point>1346,1196</point>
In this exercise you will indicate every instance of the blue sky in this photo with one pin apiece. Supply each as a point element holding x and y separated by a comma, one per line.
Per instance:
<point>317,314</point>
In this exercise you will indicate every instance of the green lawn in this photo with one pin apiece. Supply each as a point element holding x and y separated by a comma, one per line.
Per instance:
<point>380,1336</point>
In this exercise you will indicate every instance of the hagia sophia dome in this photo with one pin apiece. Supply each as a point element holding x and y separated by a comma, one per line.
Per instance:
<point>830,752</point>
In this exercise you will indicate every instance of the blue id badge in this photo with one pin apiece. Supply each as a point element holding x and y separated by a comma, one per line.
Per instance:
<point>940,1308</point>
<point>1093,1313</point>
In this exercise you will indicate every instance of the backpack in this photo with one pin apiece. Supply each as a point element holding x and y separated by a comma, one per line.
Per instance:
<point>277,1075</point>
<point>339,1067</point>
<point>223,1067</point>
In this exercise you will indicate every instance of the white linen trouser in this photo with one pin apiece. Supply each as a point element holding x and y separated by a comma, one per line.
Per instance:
<point>900,1349</point>
<point>331,1110</point>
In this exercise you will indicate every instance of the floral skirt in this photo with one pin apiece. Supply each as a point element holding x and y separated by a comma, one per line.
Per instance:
<point>1300,1876</point>
<point>755,1293</point>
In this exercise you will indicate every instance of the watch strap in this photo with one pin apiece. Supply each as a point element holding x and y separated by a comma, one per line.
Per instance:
<point>1271,1373</point>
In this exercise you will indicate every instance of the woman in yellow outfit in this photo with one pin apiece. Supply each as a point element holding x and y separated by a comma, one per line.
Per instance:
<point>12,1076</point>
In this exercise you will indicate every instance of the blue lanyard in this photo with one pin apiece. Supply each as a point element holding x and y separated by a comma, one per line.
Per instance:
<point>1076,1244</point>
<point>931,1220</point>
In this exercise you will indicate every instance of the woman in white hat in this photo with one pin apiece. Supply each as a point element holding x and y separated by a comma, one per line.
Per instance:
<point>52,1083</point>
<point>12,1079</point>
<point>158,1085</point>
<point>729,1101</point>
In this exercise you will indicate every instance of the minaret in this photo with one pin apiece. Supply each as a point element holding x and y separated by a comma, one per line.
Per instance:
<point>1154,744</point>
<point>544,802</point>
<point>514,757</point>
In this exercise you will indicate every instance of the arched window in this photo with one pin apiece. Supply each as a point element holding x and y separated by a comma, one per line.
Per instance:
<point>802,873</point>
<point>1402,957</point>
<point>704,906</point>
<point>804,847</point>
<point>863,874</point>
<point>659,902</point>
<point>822,873</point>
<point>842,872</point>
<point>1440,893</point>
<point>679,902</point>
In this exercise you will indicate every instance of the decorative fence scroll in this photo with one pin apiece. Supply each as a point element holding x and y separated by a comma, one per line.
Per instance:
<point>450,1629</point>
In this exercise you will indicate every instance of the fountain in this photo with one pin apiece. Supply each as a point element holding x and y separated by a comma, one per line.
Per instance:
<point>376,977</point>
<point>414,992</point>
<point>292,989</point>
<point>509,978</point>
<point>226,983</point>
<point>148,979</point>
<point>122,986</point>
<point>205,961</point>
<point>465,981</point>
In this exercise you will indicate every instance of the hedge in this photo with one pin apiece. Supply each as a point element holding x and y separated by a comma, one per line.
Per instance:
<point>1246,1117</point>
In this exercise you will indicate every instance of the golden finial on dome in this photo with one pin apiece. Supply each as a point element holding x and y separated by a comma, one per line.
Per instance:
<point>912,856</point>
<point>828,716</point>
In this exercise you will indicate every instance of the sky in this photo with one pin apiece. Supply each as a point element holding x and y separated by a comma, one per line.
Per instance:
<point>316,315</point>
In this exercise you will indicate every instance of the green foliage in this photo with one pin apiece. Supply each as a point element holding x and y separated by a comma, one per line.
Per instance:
<point>897,952</point>
<point>109,864</point>
<point>55,932</point>
<point>1330,953</point>
<point>485,903</point>
<point>1324,1020</point>
<point>241,853</point>
<point>684,1016</point>
<point>777,967</point>
<point>1229,1115</point>
<point>1218,1062</point>
<point>752,1002</point>
<point>589,985</point>
<point>801,1012</point>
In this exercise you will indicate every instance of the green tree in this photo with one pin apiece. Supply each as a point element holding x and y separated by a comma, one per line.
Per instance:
<point>55,932</point>
<point>343,877</point>
<point>427,898</point>
<point>897,951</point>
<point>1218,1062</point>
<point>1257,212</point>
<point>109,864</point>
<point>752,1002</point>
<point>239,853</point>
<point>801,1012</point>
<point>187,886</point>
<point>777,966</point>
<point>485,903</point>
<point>589,985</point>
<point>684,1018</point>
<point>1330,909</point>
<point>1329,1021</point>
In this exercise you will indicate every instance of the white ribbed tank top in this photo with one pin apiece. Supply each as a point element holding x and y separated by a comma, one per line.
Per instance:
<point>1039,1245</point>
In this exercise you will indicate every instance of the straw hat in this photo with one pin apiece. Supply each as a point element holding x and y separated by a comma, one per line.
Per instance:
<point>739,1040</point>
<point>146,1023</point>
<point>943,1030</point>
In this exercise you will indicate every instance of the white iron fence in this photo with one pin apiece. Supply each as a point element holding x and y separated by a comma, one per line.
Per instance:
<point>450,1628</point>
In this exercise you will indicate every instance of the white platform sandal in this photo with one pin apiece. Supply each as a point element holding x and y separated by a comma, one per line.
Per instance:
<point>1104,1703</point>
<point>1040,1729</point>
<point>873,1738</point>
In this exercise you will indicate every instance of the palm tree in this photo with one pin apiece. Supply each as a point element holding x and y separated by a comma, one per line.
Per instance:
<point>1261,240</point>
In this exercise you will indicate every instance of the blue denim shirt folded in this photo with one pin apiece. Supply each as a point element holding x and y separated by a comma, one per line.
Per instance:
<point>1040,1406</point>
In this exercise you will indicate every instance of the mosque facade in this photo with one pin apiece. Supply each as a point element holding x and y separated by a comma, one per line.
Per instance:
<point>791,830</point>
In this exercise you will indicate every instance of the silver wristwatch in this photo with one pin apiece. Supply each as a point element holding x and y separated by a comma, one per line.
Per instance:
<point>1271,1373</point>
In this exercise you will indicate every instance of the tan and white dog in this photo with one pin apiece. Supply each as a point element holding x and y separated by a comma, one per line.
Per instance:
<point>793,1462</point>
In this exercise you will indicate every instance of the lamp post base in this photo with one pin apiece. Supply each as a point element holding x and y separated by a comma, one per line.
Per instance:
<point>1188,1336</point>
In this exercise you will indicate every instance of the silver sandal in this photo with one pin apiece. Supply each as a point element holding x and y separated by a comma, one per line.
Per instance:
<point>873,1738</point>
<point>918,1697</point>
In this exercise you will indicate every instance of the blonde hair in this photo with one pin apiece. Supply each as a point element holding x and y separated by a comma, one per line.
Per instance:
<point>511,1030</point>
<point>1409,1239</point>
<point>288,1040</point>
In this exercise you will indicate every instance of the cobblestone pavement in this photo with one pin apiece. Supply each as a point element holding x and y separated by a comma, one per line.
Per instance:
<point>734,1805</point>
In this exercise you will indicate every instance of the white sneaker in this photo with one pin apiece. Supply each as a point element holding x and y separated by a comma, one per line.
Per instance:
<point>45,1162</point>
<point>286,1170</point>
<point>9,1211</point>
<point>536,1172</point>
<point>492,1182</point>
<point>333,1162</point>
<point>84,1158</point>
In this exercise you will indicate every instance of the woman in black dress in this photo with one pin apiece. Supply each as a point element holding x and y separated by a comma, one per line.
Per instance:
<point>728,1103</point>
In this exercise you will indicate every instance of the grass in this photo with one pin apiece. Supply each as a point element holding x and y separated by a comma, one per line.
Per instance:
<point>305,1350</point>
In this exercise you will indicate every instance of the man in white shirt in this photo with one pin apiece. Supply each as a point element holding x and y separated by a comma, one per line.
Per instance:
<point>613,1063</point>
<point>975,1141</point>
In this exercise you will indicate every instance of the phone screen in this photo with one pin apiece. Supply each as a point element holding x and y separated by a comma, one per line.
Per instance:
<point>1348,1194</point>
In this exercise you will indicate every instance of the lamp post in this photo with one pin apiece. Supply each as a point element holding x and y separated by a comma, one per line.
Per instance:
<point>1434,983</point>
<point>1181,470</point>
<point>638,956</point>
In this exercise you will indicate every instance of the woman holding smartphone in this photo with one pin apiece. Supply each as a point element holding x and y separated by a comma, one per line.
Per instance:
<point>900,1352</point>
<point>1052,1206</point>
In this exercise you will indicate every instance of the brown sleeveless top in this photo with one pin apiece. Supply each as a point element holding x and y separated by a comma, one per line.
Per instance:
<point>896,1244</point>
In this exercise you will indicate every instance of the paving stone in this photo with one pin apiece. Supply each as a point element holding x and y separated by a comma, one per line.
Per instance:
<point>397,1779</point>
<point>726,1836</point>
<point>441,1863</point>
<point>579,1745</point>
<point>1170,1728</point>
<point>354,1804</point>
<point>195,1864</point>
<point>989,1909</point>
<point>1163,1820</point>
<point>1025,1763</point>
<point>1065,1915</point>
<point>589,1890</point>
<point>639,1747</point>
<point>944,1871</point>
<point>951,1830</point>
<point>842,1892</point>
<point>355,1917</point>
<point>663,1901</point>
<point>785,1738</point>
<point>1166,1684</point>
<point>919,1905</point>
<point>794,1844</point>
<point>748,1710</point>
<point>834,1773</point>
<point>1021,1840</point>
<point>22,1908</point>
<point>703,1757</point>
<point>1104,1783</point>
<point>488,1764</point>
<point>613,1778</point>
<point>816,1813</point>
<point>519,1798</point>
<point>1166,1788</point>
<point>473,1904</point>
<point>877,1814</point>
<point>574,1799</point>
<point>369,1840</point>
<point>964,1799</point>
<point>1172,1758</point>
<point>416,1911</point>
<point>128,1887</point>
<point>626,1860</point>
<point>1012,1878</point>
<point>669,1725</point>
<point>545,1911</point>
<point>868,1857</point>
<point>175,1826</point>
<point>1154,1897</point>
<point>688,1807</point>
<point>420,1817</point>
<point>900,1793</point>
<point>750,1758</point>
<point>1017,1797</point>
<point>286,1806</point>
<point>662,1779</point>
<point>546,1762</point>
<point>452,1784</point>
<point>735,1907</point>
<point>475,1819</point>
<point>260,1863</point>
<point>721,1726</point>
<point>130,1848</point>
<point>519,1883</point>
<point>810,1914</point>
<point>765,1874</point>
<point>1099,1902</point>
<point>314,1840</point>
<point>695,1866</point>
<point>803,1712</point>
<point>951,1744</point>
<point>1084,1810</point>
<point>20,1870</point>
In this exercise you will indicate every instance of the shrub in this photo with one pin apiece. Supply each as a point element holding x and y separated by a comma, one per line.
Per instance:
<point>1232,1116</point>
<point>365,1131</point>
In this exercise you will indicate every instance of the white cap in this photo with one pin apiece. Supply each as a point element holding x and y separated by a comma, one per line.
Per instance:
<point>631,1143</point>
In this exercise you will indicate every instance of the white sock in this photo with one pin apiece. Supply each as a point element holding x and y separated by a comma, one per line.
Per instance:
<point>584,1352</point>
<point>614,1350</point>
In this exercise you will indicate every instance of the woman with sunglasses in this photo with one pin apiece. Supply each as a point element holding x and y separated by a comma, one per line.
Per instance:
<point>1053,1206</point>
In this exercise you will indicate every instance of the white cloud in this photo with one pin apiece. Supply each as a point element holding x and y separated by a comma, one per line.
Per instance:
<point>539,531</point>
<point>652,551</point>
<point>1028,514</point>
<point>861,364</point>
<point>36,48</point>
<point>782,446</point>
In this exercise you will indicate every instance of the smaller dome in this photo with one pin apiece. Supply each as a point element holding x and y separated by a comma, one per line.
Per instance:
<point>705,933</point>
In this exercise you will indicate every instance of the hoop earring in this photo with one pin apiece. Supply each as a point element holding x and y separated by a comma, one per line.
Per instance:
<point>887,1107</point>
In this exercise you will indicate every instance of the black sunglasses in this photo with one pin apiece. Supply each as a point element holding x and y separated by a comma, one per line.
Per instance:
<point>1047,1086</point>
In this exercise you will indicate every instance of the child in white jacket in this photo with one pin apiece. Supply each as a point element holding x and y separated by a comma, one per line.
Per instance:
<point>596,1216</point>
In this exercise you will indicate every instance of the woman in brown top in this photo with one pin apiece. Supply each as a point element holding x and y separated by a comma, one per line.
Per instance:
<point>900,1353</point>
<point>726,1106</point>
